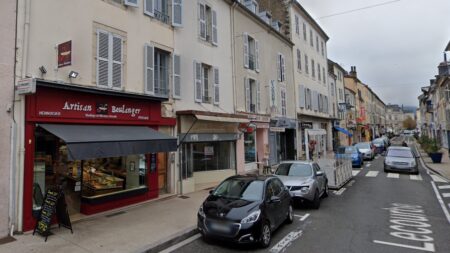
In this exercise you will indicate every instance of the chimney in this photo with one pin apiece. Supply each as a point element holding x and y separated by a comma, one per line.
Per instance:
<point>353,72</point>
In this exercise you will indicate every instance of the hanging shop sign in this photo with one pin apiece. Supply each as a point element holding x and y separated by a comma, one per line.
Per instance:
<point>65,54</point>
<point>26,86</point>
<point>306,125</point>
<point>277,129</point>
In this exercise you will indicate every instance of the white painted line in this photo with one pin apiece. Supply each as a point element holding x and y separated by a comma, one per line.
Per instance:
<point>181,244</point>
<point>368,165</point>
<point>393,175</point>
<point>286,241</point>
<point>426,245</point>
<point>415,177</point>
<point>372,173</point>
<point>304,217</point>
<point>441,201</point>
<point>446,195</point>
<point>355,172</point>
<point>342,190</point>
<point>444,186</point>
<point>438,179</point>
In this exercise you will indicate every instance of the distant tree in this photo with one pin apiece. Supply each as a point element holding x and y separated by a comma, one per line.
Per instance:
<point>409,123</point>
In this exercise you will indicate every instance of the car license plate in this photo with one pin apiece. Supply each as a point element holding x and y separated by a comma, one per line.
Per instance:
<point>220,227</point>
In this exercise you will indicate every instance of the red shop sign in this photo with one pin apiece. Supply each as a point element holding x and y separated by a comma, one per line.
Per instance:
<point>65,54</point>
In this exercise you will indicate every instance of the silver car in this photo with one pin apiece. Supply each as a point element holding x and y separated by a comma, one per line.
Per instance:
<point>304,180</point>
<point>367,149</point>
<point>400,159</point>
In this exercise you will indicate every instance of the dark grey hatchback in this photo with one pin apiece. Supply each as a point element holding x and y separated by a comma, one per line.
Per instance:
<point>245,209</point>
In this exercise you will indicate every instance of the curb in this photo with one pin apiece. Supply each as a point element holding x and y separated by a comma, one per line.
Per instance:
<point>428,167</point>
<point>171,240</point>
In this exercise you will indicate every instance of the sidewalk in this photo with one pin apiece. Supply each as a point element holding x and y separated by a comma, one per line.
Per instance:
<point>442,168</point>
<point>132,229</point>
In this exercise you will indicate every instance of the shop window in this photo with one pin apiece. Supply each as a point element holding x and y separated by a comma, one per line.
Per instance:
<point>250,147</point>
<point>208,156</point>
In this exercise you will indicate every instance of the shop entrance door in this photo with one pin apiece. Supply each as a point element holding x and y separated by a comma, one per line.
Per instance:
<point>162,172</point>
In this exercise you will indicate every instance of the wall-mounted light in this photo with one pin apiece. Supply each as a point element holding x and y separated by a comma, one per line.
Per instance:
<point>43,70</point>
<point>73,74</point>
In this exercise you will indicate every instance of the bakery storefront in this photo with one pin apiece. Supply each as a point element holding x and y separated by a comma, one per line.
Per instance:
<point>102,148</point>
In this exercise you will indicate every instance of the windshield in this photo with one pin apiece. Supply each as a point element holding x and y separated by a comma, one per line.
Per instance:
<point>400,153</point>
<point>378,141</point>
<point>363,145</point>
<point>294,169</point>
<point>240,189</point>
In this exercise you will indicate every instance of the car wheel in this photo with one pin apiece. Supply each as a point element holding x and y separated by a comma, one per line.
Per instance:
<point>290,215</point>
<point>265,235</point>
<point>316,201</point>
<point>325,193</point>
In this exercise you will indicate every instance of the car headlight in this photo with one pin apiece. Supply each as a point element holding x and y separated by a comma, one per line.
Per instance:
<point>388,162</point>
<point>251,218</point>
<point>304,189</point>
<point>201,212</point>
<point>413,163</point>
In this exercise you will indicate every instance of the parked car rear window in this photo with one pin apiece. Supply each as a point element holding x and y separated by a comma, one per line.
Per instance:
<point>363,145</point>
<point>378,141</point>
<point>240,189</point>
<point>400,153</point>
<point>294,169</point>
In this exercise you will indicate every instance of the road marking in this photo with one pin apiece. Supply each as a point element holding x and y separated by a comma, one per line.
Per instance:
<point>286,241</point>
<point>372,173</point>
<point>441,201</point>
<point>446,195</point>
<point>342,190</point>
<point>438,179</point>
<point>393,175</point>
<point>426,246</point>
<point>181,244</point>
<point>368,165</point>
<point>351,183</point>
<point>415,177</point>
<point>302,217</point>
<point>355,172</point>
<point>444,186</point>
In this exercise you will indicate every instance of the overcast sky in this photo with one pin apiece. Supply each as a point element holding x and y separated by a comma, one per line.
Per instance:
<point>395,47</point>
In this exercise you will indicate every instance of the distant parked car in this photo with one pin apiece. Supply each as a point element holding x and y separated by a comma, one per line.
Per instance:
<point>386,140</point>
<point>305,181</point>
<point>245,209</point>
<point>367,149</point>
<point>380,145</point>
<point>400,159</point>
<point>351,152</point>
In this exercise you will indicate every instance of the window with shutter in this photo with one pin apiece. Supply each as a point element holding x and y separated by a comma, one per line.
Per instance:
<point>202,20</point>
<point>297,25</point>
<point>323,75</point>
<point>216,86</point>
<point>246,50</point>
<point>149,69</point>
<point>317,43</point>
<point>315,106</point>
<point>198,82</point>
<point>283,69</point>
<point>214,28</point>
<point>177,13</point>
<point>302,97</point>
<point>148,8</point>
<point>117,62</point>
<point>283,101</point>
<point>109,60</point>
<point>247,94</point>
<point>176,76</point>
<point>321,43</point>
<point>304,31</point>
<point>306,64</point>
<point>311,39</point>
<point>256,56</point>
<point>318,72</point>
<point>273,94</point>
<point>102,59</point>
<point>258,97</point>
<point>299,60</point>
<point>313,68</point>
<point>279,67</point>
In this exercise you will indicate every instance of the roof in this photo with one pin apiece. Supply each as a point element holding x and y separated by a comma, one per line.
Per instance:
<point>447,48</point>
<point>337,65</point>
<point>310,19</point>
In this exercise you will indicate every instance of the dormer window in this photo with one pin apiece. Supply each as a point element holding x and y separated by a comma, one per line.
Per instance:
<point>252,5</point>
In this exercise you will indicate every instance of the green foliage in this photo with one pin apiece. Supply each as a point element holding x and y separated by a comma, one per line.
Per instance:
<point>429,145</point>
<point>409,123</point>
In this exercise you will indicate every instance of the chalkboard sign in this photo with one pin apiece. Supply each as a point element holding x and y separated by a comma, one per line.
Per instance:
<point>54,203</point>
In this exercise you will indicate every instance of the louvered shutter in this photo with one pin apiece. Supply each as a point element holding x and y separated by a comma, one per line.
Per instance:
<point>176,76</point>
<point>257,56</point>
<point>177,13</point>
<point>283,69</point>
<point>258,97</point>
<point>246,59</point>
<point>148,8</point>
<point>149,69</point>
<point>102,59</point>
<point>198,81</point>
<point>133,3</point>
<point>273,94</point>
<point>323,74</point>
<point>117,68</point>
<point>214,28</point>
<point>326,104</point>
<point>279,67</point>
<point>247,94</point>
<point>202,20</point>
<point>314,101</point>
<point>301,93</point>
<point>216,86</point>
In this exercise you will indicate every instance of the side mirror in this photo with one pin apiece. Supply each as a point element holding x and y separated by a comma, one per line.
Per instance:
<point>275,199</point>
<point>211,191</point>
<point>319,173</point>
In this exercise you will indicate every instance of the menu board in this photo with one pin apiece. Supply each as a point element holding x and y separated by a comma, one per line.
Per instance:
<point>54,203</point>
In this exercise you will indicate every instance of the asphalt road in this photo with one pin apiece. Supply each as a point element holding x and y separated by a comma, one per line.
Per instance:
<point>374,212</point>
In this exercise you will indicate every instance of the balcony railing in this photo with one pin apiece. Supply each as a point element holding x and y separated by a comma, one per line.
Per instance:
<point>162,16</point>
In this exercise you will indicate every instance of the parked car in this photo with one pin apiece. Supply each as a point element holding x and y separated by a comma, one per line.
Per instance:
<point>305,181</point>
<point>350,152</point>
<point>400,159</point>
<point>245,209</point>
<point>380,145</point>
<point>367,149</point>
<point>386,140</point>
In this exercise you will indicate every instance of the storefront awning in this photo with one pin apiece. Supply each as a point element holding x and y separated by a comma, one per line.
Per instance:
<point>221,119</point>
<point>316,131</point>
<point>97,141</point>
<point>343,130</point>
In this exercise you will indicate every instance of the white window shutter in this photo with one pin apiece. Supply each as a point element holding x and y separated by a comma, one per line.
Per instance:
<point>216,86</point>
<point>301,93</point>
<point>247,94</point>
<point>198,82</point>
<point>117,61</point>
<point>177,13</point>
<point>102,59</point>
<point>202,20</point>
<point>258,97</point>
<point>214,28</point>
<point>279,67</point>
<point>149,69</point>
<point>132,3</point>
<point>273,94</point>
<point>148,8</point>
<point>257,56</point>
<point>176,76</point>
<point>314,101</point>
<point>246,49</point>
<point>283,69</point>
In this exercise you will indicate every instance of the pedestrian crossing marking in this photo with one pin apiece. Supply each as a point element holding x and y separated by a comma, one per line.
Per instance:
<point>368,165</point>
<point>446,195</point>
<point>415,177</point>
<point>444,187</point>
<point>372,173</point>
<point>438,179</point>
<point>393,175</point>
<point>355,172</point>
